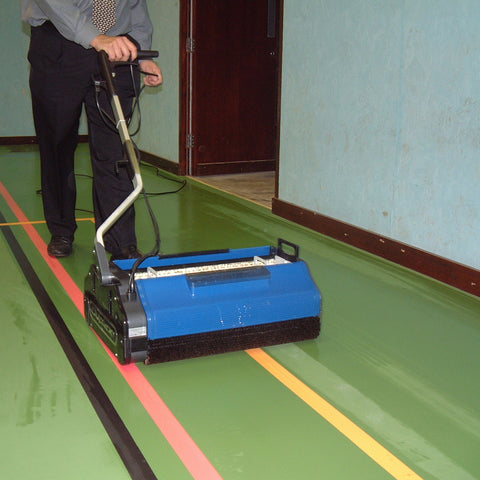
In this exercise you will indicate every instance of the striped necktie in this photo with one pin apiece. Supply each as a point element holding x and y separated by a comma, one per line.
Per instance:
<point>103,15</point>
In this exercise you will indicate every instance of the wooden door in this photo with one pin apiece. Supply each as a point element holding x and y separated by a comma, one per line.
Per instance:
<point>230,94</point>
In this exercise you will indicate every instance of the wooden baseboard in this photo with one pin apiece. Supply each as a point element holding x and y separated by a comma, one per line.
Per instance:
<point>160,162</point>
<point>447,271</point>
<point>18,140</point>
<point>31,140</point>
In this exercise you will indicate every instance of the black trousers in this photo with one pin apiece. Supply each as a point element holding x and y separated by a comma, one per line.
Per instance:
<point>61,83</point>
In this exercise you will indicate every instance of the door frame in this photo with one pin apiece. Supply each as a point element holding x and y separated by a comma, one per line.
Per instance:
<point>187,22</point>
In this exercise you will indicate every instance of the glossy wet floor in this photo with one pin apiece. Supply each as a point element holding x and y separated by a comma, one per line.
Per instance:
<point>390,389</point>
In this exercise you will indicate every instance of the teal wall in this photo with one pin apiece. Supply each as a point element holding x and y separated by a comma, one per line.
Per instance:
<point>381,118</point>
<point>160,106</point>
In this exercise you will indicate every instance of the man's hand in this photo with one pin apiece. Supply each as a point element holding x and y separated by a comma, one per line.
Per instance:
<point>119,49</point>
<point>149,66</point>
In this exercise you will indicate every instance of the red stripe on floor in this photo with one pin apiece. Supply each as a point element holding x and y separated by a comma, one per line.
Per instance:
<point>64,278</point>
<point>188,451</point>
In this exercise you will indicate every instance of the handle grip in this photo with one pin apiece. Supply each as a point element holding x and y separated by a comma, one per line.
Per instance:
<point>106,71</point>
<point>146,54</point>
<point>106,65</point>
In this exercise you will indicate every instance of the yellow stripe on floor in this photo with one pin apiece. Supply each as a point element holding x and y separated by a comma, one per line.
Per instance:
<point>35,222</point>
<point>353,432</point>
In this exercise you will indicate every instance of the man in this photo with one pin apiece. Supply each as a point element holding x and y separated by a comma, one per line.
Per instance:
<point>65,38</point>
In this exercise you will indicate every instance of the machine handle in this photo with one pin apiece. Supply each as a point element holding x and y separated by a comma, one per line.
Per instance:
<point>215,278</point>
<point>146,54</point>
<point>106,70</point>
<point>106,66</point>
<point>282,253</point>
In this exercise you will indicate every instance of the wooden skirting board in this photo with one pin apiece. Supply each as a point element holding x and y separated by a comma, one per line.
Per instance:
<point>447,271</point>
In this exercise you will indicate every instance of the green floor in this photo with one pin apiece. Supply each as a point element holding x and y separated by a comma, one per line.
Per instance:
<point>398,355</point>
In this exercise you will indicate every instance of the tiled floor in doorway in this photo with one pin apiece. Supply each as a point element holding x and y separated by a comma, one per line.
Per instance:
<point>258,187</point>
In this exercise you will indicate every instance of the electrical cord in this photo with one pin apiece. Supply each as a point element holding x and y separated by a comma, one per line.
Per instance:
<point>136,103</point>
<point>182,184</point>
<point>107,119</point>
<point>84,210</point>
<point>153,253</point>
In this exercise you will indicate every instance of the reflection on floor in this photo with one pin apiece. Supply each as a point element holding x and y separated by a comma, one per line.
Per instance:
<point>258,187</point>
<point>390,389</point>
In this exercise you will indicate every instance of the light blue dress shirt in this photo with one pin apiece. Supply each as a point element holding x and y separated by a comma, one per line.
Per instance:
<point>73,19</point>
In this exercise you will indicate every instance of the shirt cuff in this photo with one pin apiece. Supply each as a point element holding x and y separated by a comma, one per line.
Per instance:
<point>86,35</point>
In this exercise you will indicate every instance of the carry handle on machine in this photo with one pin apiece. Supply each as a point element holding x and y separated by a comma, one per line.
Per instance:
<point>121,124</point>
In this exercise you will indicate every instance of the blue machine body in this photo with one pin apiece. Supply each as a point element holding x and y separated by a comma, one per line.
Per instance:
<point>192,303</point>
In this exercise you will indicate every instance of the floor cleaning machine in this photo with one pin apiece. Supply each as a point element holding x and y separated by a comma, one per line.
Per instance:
<point>169,307</point>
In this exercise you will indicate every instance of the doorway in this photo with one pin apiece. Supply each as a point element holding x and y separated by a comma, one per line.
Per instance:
<point>230,75</point>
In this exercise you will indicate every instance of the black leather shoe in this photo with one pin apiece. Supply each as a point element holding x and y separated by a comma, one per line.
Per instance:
<point>127,253</point>
<point>60,246</point>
